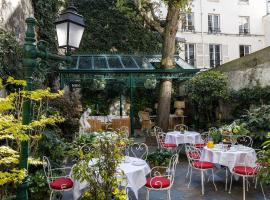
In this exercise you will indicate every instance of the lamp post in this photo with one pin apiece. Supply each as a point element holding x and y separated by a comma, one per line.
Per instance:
<point>34,51</point>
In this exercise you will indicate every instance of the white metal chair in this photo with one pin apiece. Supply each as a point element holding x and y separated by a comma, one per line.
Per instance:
<point>162,181</point>
<point>193,155</point>
<point>245,170</point>
<point>56,183</point>
<point>139,150</point>
<point>203,143</point>
<point>245,140</point>
<point>124,129</point>
<point>181,127</point>
<point>160,136</point>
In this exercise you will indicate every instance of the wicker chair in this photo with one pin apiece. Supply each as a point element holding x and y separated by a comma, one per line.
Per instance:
<point>146,123</point>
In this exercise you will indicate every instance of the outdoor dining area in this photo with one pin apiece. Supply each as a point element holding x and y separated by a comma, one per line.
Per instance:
<point>131,169</point>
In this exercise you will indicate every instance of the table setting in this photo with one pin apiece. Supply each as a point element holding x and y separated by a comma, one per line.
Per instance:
<point>183,137</point>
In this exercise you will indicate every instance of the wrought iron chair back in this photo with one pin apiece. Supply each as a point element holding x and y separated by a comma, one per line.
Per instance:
<point>157,129</point>
<point>181,127</point>
<point>205,137</point>
<point>139,150</point>
<point>245,140</point>
<point>160,139</point>
<point>47,169</point>
<point>193,154</point>
<point>124,129</point>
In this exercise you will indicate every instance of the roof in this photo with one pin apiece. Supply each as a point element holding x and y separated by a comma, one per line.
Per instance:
<point>115,62</point>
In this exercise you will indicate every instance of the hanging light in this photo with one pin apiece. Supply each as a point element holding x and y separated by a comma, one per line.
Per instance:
<point>69,27</point>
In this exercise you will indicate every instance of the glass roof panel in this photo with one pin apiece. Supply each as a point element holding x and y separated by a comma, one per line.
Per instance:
<point>85,62</point>
<point>129,62</point>
<point>100,62</point>
<point>114,62</point>
<point>142,62</point>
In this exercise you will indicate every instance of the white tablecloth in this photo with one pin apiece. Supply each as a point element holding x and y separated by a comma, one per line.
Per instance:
<point>176,137</point>
<point>136,177</point>
<point>230,158</point>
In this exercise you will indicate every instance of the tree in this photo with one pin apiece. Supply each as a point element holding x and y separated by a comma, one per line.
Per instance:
<point>167,30</point>
<point>13,132</point>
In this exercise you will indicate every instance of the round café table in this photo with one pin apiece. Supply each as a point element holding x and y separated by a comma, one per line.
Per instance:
<point>177,137</point>
<point>236,155</point>
<point>135,170</point>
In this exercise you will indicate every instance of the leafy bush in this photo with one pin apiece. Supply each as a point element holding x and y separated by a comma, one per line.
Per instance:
<point>204,91</point>
<point>257,120</point>
<point>38,185</point>
<point>264,159</point>
<point>160,157</point>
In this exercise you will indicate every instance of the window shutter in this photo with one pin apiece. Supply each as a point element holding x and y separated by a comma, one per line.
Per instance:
<point>225,54</point>
<point>199,57</point>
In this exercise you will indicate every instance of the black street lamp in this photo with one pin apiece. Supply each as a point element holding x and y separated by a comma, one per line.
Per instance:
<point>70,27</point>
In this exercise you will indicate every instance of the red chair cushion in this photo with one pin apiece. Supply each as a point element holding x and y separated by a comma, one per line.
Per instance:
<point>169,145</point>
<point>61,183</point>
<point>157,182</point>
<point>203,165</point>
<point>199,145</point>
<point>245,170</point>
<point>194,155</point>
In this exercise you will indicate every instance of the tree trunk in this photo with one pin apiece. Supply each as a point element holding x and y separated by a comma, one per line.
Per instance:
<point>167,62</point>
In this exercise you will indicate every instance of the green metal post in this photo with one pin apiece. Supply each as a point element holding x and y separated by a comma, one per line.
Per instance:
<point>121,109</point>
<point>131,95</point>
<point>29,62</point>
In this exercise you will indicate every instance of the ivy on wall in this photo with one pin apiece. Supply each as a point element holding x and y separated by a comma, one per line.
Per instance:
<point>10,55</point>
<point>115,28</point>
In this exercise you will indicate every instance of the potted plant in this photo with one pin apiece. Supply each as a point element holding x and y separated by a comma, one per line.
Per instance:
<point>160,157</point>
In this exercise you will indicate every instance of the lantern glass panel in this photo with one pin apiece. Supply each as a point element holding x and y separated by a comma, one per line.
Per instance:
<point>61,30</point>
<point>75,35</point>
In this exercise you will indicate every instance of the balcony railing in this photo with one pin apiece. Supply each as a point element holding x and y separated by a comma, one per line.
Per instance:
<point>213,30</point>
<point>244,31</point>
<point>188,28</point>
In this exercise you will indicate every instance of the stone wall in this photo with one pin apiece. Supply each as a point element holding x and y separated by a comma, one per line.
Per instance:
<point>13,14</point>
<point>248,71</point>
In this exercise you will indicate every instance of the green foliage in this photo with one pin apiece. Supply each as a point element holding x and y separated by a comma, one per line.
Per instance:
<point>160,157</point>
<point>10,55</point>
<point>105,154</point>
<point>258,121</point>
<point>13,132</point>
<point>38,185</point>
<point>264,159</point>
<point>247,97</point>
<point>204,91</point>
<point>115,27</point>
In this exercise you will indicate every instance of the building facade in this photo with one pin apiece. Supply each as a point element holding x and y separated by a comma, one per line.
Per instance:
<point>214,32</point>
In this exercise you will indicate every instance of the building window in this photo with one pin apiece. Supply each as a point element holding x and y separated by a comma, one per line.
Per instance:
<point>244,25</point>
<point>190,54</point>
<point>243,1</point>
<point>215,55</point>
<point>244,50</point>
<point>213,23</point>
<point>188,22</point>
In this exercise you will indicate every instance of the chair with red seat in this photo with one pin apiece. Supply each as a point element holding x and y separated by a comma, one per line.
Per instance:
<point>56,183</point>
<point>193,155</point>
<point>204,140</point>
<point>162,181</point>
<point>160,136</point>
<point>246,170</point>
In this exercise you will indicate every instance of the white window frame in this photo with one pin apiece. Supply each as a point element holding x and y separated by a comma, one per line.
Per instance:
<point>186,27</point>
<point>187,53</point>
<point>213,29</point>
<point>244,31</point>
<point>215,64</point>
<point>245,53</point>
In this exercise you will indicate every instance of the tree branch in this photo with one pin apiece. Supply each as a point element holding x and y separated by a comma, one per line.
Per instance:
<point>152,21</point>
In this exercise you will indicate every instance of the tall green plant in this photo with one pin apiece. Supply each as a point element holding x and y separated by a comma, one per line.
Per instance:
<point>205,91</point>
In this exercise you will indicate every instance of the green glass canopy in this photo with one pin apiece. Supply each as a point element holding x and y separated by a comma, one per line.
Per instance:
<point>131,70</point>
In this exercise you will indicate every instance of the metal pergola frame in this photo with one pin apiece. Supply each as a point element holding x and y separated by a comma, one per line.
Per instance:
<point>75,75</point>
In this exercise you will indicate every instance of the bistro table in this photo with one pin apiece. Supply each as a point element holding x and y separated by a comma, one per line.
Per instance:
<point>235,155</point>
<point>177,137</point>
<point>135,170</point>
